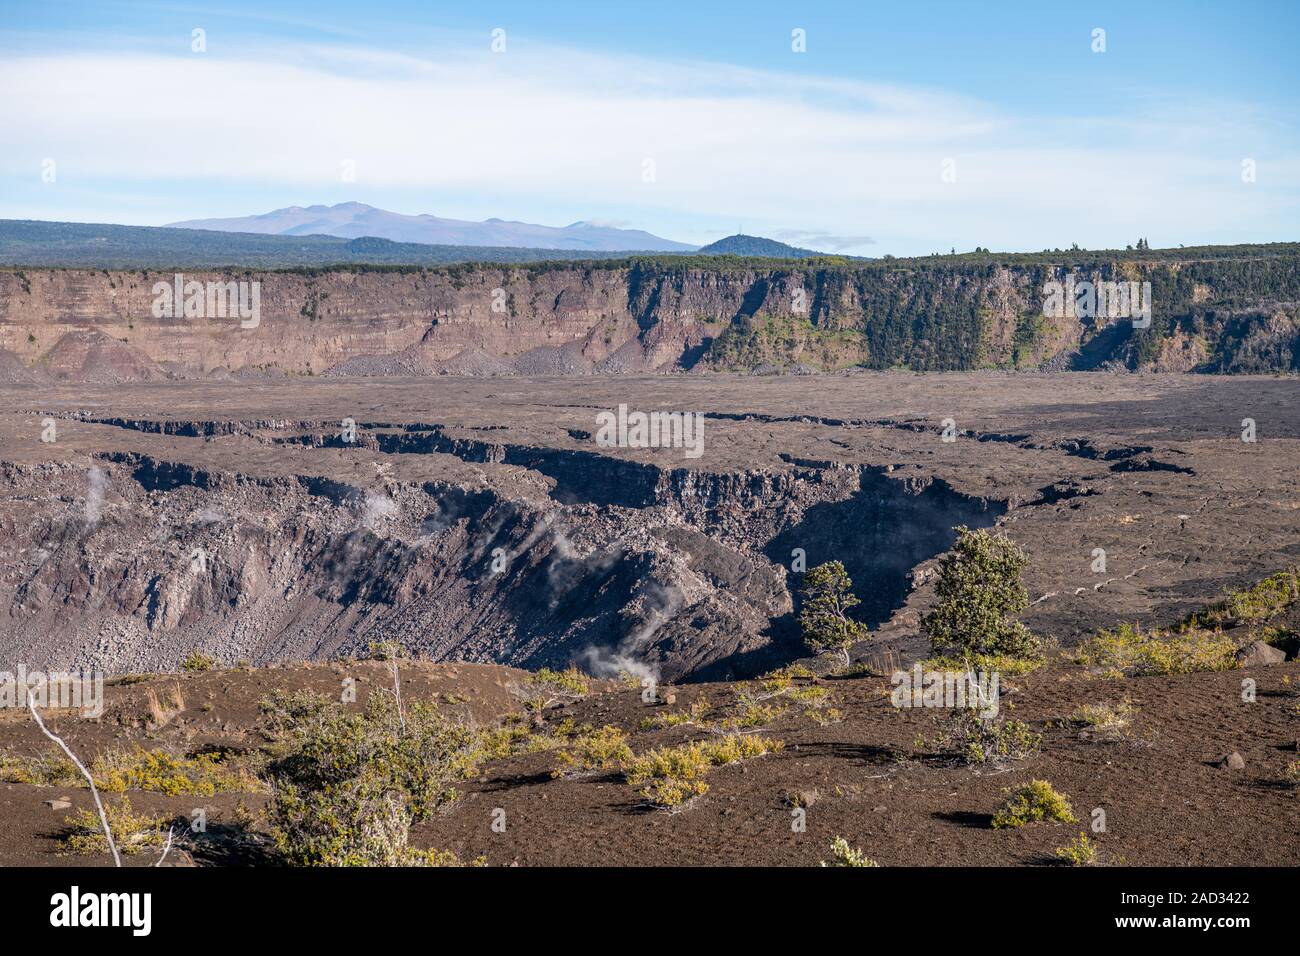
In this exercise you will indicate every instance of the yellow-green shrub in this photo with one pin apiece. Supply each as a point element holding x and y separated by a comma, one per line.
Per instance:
<point>1080,852</point>
<point>131,832</point>
<point>1259,602</point>
<point>197,662</point>
<point>202,775</point>
<point>846,855</point>
<point>1109,721</point>
<point>546,687</point>
<point>437,858</point>
<point>51,769</point>
<point>670,776</point>
<point>784,677</point>
<point>603,749</point>
<point>693,714</point>
<point>505,740</point>
<point>1128,651</point>
<point>1036,800</point>
<point>753,713</point>
<point>987,663</point>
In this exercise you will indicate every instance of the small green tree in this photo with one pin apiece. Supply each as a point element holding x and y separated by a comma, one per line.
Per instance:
<point>827,596</point>
<point>979,586</point>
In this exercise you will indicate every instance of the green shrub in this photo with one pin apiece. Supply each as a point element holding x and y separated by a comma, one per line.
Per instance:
<point>1036,800</point>
<point>979,586</point>
<point>1252,605</point>
<point>385,651</point>
<point>993,740</point>
<point>284,715</point>
<point>354,823</point>
<point>197,662</point>
<point>548,687</point>
<point>347,786</point>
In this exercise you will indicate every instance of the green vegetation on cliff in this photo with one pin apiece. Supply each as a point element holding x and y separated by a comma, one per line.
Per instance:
<point>1212,314</point>
<point>784,340</point>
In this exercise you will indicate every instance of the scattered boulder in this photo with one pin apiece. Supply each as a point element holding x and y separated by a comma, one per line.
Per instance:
<point>1260,654</point>
<point>59,803</point>
<point>1233,761</point>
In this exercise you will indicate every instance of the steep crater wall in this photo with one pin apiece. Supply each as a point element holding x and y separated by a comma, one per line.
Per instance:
<point>682,573</point>
<point>1220,314</point>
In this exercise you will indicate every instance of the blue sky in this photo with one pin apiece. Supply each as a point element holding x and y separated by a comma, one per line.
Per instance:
<point>904,128</point>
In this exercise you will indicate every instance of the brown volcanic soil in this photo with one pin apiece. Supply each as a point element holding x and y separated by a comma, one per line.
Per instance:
<point>220,713</point>
<point>1165,803</point>
<point>902,802</point>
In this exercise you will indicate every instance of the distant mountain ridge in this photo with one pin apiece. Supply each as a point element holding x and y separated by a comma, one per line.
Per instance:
<point>29,242</point>
<point>353,220</point>
<point>742,245</point>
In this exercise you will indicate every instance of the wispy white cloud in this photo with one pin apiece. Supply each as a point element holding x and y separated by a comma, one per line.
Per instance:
<point>823,241</point>
<point>817,157</point>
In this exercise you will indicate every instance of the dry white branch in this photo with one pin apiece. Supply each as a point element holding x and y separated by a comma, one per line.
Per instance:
<point>94,792</point>
<point>397,692</point>
<point>166,847</point>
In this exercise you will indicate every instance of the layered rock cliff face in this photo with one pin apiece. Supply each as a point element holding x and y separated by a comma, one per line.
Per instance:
<point>129,563</point>
<point>1213,315</point>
